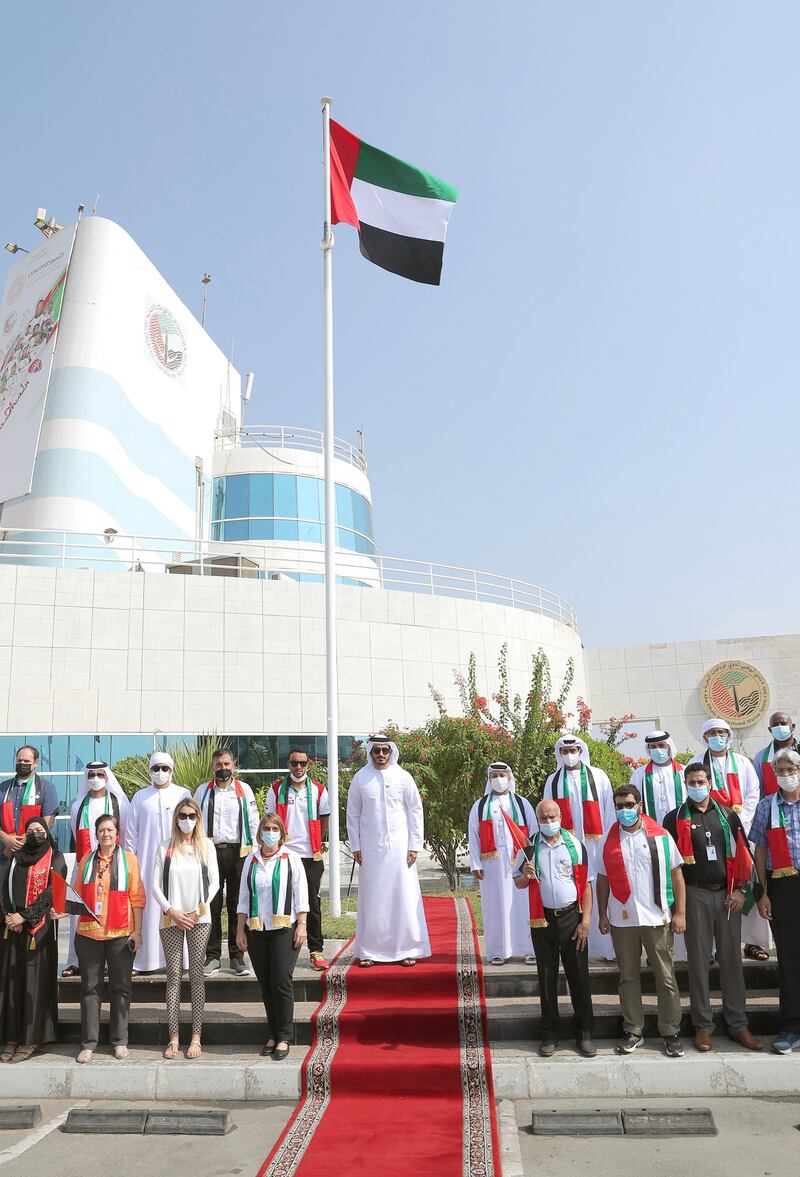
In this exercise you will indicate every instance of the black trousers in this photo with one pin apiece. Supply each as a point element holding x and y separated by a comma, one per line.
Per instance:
<point>230,862</point>
<point>551,945</point>
<point>314,868</point>
<point>273,957</point>
<point>784,895</point>
<point>93,956</point>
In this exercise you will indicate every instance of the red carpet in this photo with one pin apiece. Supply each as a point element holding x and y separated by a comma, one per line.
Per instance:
<point>398,1080</point>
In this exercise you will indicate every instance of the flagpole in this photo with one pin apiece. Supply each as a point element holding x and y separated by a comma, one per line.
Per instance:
<point>331,680</point>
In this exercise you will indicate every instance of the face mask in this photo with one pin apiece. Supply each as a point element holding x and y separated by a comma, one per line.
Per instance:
<point>659,755</point>
<point>718,743</point>
<point>789,783</point>
<point>781,731</point>
<point>223,774</point>
<point>627,817</point>
<point>187,824</point>
<point>271,838</point>
<point>697,794</point>
<point>159,778</point>
<point>96,785</point>
<point>570,758</point>
<point>24,770</point>
<point>299,774</point>
<point>499,784</point>
<point>34,837</point>
<point>550,828</point>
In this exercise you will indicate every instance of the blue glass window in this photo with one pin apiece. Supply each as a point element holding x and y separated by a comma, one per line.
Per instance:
<point>261,529</point>
<point>344,506</point>
<point>218,510</point>
<point>309,533</point>
<point>310,498</point>
<point>261,497</point>
<point>237,496</point>
<point>286,529</point>
<point>236,530</point>
<point>288,507</point>
<point>285,496</point>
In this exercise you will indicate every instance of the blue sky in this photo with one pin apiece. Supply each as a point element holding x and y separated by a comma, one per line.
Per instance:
<point>594,398</point>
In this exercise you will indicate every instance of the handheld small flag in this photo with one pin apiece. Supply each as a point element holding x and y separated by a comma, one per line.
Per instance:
<point>68,901</point>
<point>401,212</point>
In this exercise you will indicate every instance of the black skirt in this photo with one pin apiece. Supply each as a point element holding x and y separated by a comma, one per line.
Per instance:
<point>28,988</point>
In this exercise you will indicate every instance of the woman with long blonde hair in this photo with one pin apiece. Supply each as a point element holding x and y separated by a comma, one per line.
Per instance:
<point>185,880</point>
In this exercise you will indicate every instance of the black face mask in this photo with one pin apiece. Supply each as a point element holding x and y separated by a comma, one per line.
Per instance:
<point>223,774</point>
<point>34,837</point>
<point>24,770</point>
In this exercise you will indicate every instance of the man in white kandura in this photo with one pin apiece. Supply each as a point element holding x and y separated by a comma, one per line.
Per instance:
<point>150,824</point>
<point>99,792</point>
<point>492,853</point>
<point>735,783</point>
<point>385,830</point>
<point>585,797</point>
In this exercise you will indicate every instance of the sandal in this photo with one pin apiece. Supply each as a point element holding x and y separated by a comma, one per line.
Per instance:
<point>194,1049</point>
<point>755,952</point>
<point>498,960</point>
<point>8,1052</point>
<point>366,964</point>
<point>23,1053</point>
<point>171,1051</point>
<point>71,971</point>
<point>408,963</point>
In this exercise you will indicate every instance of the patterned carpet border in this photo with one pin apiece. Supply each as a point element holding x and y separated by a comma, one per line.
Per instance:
<point>476,1083</point>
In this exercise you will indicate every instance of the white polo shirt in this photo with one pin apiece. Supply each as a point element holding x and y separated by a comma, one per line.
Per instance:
<point>297,835</point>
<point>642,907</point>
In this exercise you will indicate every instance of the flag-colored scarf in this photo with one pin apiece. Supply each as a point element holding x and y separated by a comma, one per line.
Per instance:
<point>166,920</point>
<point>486,825</point>
<point>614,863</point>
<point>738,859</point>
<point>648,797</point>
<point>770,781</point>
<point>83,833</point>
<point>37,881</point>
<point>207,809</point>
<point>119,885</point>
<point>592,824</point>
<point>580,874</point>
<point>31,806</point>
<point>281,893</point>
<point>728,792</point>
<point>779,853</point>
<point>313,798</point>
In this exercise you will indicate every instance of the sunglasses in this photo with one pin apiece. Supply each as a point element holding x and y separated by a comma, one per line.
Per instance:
<point>192,816</point>
<point>626,804</point>
<point>298,763</point>
<point>160,768</point>
<point>95,776</point>
<point>381,751</point>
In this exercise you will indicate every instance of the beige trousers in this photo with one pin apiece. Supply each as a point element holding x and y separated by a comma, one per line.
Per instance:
<point>657,943</point>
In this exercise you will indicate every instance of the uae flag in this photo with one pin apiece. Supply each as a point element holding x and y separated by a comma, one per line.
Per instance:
<point>401,212</point>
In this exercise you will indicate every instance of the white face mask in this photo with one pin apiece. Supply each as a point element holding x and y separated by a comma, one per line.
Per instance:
<point>187,824</point>
<point>97,785</point>
<point>500,783</point>
<point>570,758</point>
<point>159,778</point>
<point>789,783</point>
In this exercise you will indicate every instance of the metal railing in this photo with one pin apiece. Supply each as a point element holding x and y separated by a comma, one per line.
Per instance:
<point>293,437</point>
<point>273,560</point>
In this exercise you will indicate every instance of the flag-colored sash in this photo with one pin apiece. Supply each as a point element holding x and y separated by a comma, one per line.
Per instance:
<point>31,806</point>
<point>738,859</point>
<point>769,782</point>
<point>729,793</point>
<point>592,824</point>
<point>207,807</point>
<point>648,799</point>
<point>281,893</point>
<point>778,842</point>
<point>166,920</point>
<point>614,863</point>
<point>580,874</point>
<point>38,880</point>
<point>313,799</point>
<point>119,885</point>
<point>486,825</point>
<point>83,833</point>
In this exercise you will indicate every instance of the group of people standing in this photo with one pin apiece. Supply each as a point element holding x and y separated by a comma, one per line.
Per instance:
<point>700,863</point>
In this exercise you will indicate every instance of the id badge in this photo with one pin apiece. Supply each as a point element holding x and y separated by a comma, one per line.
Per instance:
<point>711,853</point>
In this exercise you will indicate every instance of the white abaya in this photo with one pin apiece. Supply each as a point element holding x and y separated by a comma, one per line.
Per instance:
<point>150,824</point>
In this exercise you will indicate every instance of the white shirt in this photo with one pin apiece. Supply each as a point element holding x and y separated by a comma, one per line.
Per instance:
<point>226,810</point>
<point>642,906</point>
<point>297,835</point>
<point>265,869</point>
<point>556,878</point>
<point>185,881</point>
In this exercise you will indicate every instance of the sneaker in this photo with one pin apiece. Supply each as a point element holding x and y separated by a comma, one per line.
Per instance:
<point>786,1042</point>
<point>84,1056</point>
<point>629,1043</point>
<point>212,966</point>
<point>673,1046</point>
<point>120,1052</point>
<point>318,962</point>
<point>240,969</point>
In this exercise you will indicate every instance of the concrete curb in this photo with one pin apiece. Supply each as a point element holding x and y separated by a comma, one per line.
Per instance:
<point>510,1151</point>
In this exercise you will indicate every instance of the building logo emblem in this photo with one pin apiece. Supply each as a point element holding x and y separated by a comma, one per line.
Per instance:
<point>165,340</point>
<point>736,692</point>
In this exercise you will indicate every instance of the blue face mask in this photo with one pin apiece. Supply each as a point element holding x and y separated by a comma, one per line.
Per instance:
<point>781,731</point>
<point>659,755</point>
<point>627,817</point>
<point>550,828</point>
<point>718,743</point>
<point>698,795</point>
<point>271,838</point>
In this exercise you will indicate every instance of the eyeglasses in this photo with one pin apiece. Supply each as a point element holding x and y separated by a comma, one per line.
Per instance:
<point>298,763</point>
<point>95,776</point>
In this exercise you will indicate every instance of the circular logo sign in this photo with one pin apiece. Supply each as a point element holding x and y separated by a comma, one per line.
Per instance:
<point>165,340</point>
<point>735,691</point>
<point>16,288</point>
